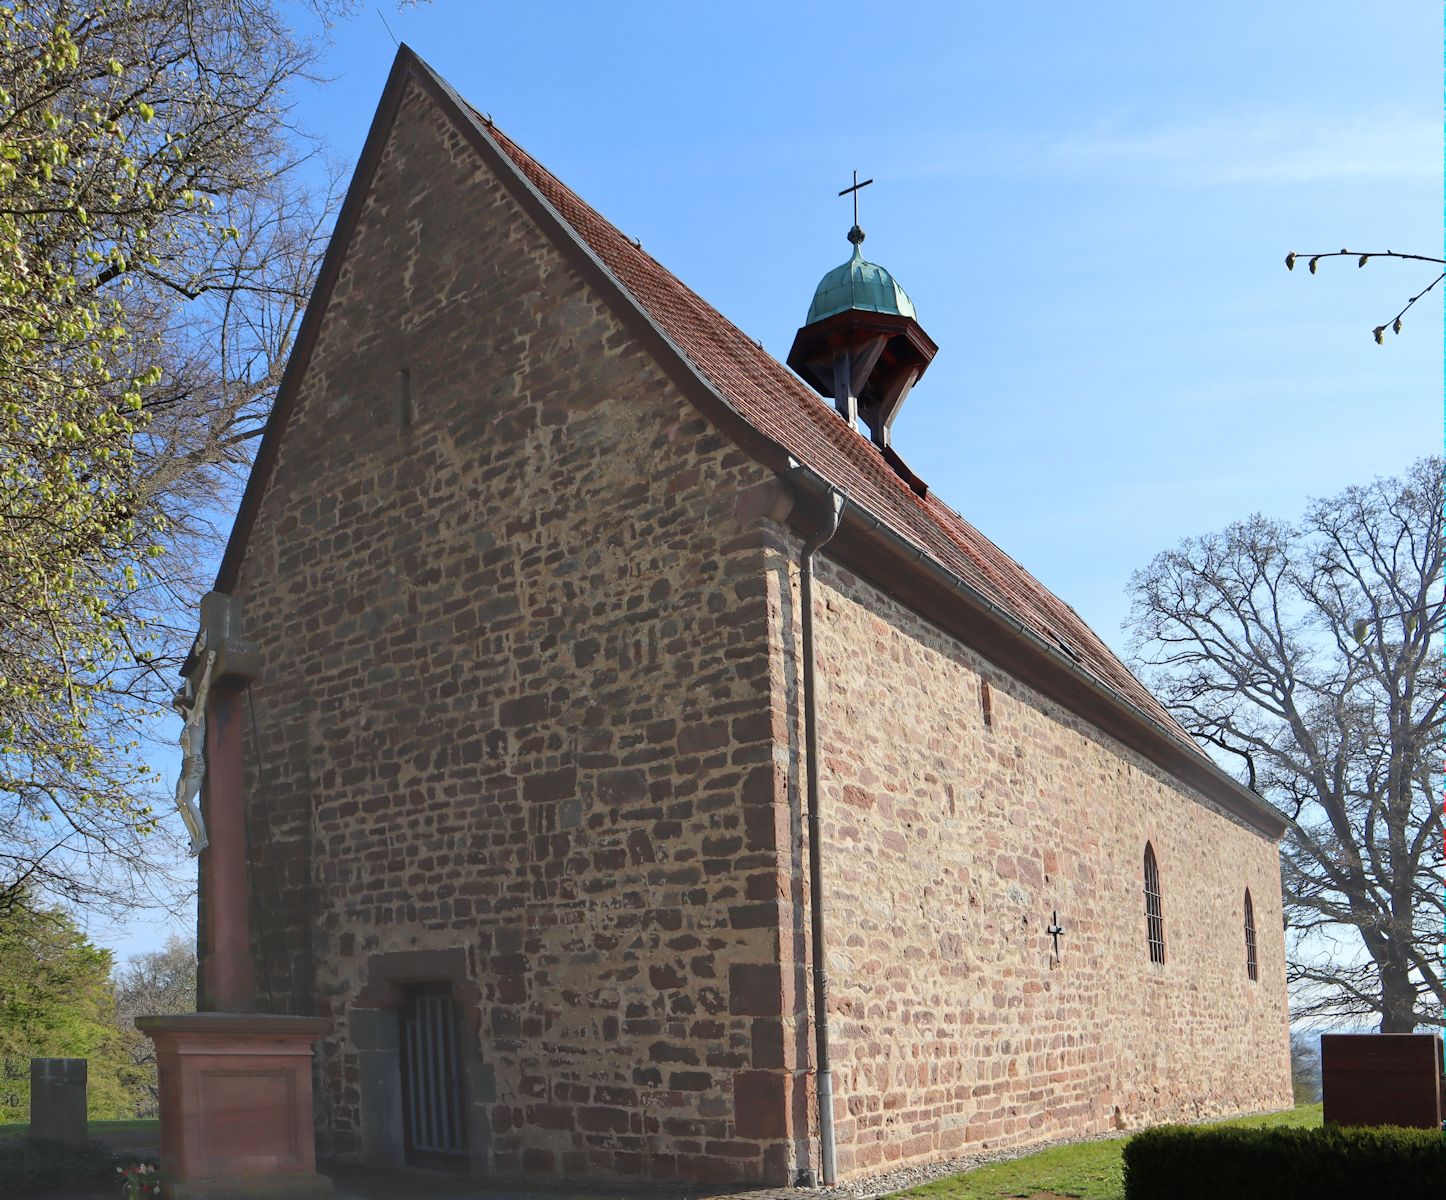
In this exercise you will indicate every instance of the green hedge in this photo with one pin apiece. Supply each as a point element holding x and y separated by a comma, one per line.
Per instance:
<point>1176,1162</point>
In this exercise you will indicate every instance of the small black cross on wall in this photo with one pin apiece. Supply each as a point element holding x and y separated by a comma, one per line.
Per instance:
<point>1054,930</point>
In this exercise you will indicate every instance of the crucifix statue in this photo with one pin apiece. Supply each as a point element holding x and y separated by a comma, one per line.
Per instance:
<point>1055,930</point>
<point>190,703</point>
<point>218,657</point>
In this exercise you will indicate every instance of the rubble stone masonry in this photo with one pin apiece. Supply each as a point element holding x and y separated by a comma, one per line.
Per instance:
<point>951,840</point>
<point>514,708</point>
<point>528,730</point>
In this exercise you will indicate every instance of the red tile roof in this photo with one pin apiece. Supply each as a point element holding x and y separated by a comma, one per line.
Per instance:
<point>769,397</point>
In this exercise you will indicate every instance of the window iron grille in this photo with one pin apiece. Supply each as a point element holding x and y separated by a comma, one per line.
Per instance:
<point>1251,969</point>
<point>1154,920</point>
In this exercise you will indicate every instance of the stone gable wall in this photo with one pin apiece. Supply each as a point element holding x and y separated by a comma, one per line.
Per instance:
<point>950,843</point>
<point>514,709</point>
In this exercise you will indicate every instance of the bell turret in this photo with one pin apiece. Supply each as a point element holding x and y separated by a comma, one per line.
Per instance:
<point>862,344</point>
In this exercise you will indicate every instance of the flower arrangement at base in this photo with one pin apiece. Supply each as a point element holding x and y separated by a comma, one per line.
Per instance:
<point>138,1181</point>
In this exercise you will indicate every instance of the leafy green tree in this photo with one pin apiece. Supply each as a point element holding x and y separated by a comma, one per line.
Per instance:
<point>156,251</point>
<point>56,1002</point>
<point>1309,655</point>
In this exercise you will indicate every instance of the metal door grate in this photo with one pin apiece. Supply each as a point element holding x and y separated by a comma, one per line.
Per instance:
<point>432,1104</point>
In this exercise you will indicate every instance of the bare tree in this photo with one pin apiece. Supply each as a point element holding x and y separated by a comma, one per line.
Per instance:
<point>1394,324</point>
<point>162,982</point>
<point>1305,1067</point>
<point>1309,655</point>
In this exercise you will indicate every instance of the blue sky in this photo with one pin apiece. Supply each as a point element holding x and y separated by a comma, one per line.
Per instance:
<point>1089,206</point>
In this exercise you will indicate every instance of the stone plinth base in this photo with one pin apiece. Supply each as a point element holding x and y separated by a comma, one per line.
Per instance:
<point>235,1098</point>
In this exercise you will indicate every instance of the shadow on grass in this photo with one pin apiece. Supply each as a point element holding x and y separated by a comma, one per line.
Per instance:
<point>1086,1170</point>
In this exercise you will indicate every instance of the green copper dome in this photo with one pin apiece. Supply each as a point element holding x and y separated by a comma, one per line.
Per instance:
<point>859,285</point>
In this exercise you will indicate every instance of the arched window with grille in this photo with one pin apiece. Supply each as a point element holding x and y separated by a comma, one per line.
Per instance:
<point>1154,920</point>
<point>1250,968</point>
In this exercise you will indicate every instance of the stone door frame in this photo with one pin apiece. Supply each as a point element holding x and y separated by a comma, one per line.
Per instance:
<point>374,1030</point>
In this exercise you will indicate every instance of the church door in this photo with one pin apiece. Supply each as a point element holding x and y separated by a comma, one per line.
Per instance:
<point>432,1081</point>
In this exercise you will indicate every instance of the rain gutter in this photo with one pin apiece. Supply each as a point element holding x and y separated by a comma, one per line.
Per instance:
<point>823,1077</point>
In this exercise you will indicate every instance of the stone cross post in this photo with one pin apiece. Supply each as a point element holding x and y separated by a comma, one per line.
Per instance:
<point>235,1084</point>
<point>218,670</point>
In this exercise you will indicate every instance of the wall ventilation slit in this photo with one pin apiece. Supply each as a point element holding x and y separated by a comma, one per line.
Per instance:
<point>405,413</point>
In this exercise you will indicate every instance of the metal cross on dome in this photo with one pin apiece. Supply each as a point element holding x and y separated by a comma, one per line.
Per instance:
<point>857,187</point>
<point>1054,930</point>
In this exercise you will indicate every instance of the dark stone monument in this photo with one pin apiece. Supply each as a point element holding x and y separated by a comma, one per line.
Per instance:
<point>1382,1079</point>
<point>57,1099</point>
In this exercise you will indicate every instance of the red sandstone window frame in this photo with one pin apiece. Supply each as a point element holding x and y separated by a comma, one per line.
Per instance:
<point>1154,909</point>
<point>1252,968</point>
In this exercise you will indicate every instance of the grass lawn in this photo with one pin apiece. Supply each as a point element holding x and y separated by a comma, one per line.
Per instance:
<point>1090,1170</point>
<point>98,1129</point>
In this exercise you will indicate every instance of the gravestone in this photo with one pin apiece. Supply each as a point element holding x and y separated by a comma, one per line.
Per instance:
<point>57,1099</point>
<point>1382,1079</point>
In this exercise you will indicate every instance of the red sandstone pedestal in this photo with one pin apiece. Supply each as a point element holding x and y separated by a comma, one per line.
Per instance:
<point>235,1096</point>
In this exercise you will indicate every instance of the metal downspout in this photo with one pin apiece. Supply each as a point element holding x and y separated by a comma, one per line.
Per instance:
<point>823,1073</point>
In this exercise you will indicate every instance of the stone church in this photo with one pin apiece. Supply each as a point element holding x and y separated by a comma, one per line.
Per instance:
<point>652,777</point>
